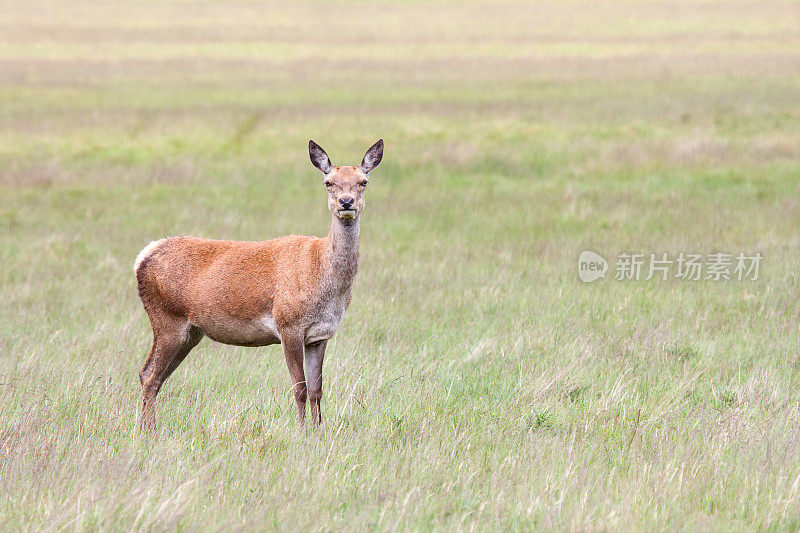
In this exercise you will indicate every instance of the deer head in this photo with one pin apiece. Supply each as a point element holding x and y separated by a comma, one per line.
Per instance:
<point>346,185</point>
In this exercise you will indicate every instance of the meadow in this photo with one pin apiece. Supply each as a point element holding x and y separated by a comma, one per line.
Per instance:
<point>476,383</point>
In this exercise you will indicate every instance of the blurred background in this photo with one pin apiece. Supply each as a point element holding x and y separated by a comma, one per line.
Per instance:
<point>476,382</point>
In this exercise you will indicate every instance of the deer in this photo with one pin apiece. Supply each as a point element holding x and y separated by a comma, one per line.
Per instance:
<point>291,290</point>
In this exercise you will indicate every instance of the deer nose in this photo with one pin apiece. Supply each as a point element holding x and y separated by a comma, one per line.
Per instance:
<point>346,202</point>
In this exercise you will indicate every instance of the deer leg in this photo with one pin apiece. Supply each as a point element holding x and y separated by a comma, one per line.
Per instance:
<point>315,353</point>
<point>172,342</point>
<point>293,350</point>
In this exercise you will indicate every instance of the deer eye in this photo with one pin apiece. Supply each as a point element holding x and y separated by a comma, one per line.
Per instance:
<point>363,183</point>
<point>328,184</point>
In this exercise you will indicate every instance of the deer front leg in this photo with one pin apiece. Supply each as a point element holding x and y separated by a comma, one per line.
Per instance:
<point>293,350</point>
<point>315,353</point>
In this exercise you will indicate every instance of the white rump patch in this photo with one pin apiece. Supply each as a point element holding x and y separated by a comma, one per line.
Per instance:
<point>147,250</point>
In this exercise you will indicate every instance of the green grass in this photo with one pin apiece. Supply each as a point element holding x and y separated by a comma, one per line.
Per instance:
<point>475,382</point>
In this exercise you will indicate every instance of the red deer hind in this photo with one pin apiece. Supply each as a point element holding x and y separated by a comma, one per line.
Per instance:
<point>292,290</point>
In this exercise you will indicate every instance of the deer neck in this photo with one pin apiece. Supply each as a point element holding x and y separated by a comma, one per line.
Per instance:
<point>343,252</point>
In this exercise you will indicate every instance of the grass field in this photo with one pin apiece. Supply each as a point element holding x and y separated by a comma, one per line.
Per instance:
<point>476,383</point>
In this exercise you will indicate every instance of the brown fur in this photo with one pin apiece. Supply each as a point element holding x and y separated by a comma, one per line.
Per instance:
<point>235,280</point>
<point>291,290</point>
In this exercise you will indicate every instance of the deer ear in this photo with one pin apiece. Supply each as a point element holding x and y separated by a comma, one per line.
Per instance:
<point>319,158</point>
<point>373,157</point>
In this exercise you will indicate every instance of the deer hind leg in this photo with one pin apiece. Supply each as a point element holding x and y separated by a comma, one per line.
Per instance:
<point>173,339</point>
<point>293,351</point>
<point>314,355</point>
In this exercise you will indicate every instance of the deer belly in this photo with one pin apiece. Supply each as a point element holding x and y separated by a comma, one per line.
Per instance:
<point>258,332</point>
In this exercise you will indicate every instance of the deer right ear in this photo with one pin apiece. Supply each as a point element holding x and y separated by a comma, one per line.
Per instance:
<point>319,158</point>
<point>373,157</point>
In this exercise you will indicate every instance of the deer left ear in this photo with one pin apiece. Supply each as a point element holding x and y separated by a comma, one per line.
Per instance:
<point>373,157</point>
<point>318,157</point>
